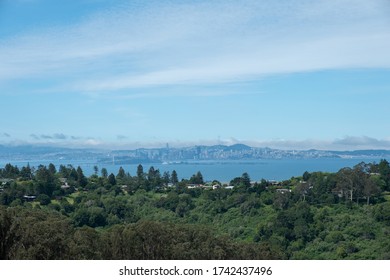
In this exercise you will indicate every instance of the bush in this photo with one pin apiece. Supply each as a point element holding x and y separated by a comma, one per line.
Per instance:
<point>43,199</point>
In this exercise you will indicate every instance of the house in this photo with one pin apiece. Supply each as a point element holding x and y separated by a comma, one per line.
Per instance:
<point>274,183</point>
<point>65,186</point>
<point>6,181</point>
<point>283,190</point>
<point>63,180</point>
<point>194,186</point>
<point>29,197</point>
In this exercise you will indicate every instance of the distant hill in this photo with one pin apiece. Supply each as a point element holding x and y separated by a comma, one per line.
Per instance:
<point>238,147</point>
<point>148,155</point>
<point>36,152</point>
<point>373,153</point>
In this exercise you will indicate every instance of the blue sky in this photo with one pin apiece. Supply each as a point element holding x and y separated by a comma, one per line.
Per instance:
<point>124,74</point>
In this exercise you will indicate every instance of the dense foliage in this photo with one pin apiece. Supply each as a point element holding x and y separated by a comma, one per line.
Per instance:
<point>47,213</point>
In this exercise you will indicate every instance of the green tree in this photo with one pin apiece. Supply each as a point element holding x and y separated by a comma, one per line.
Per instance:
<point>111,179</point>
<point>371,188</point>
<point>197,179</point>
<point>174,178</point>
<point>85,244</point>
<point>52,169</point>
<point>154,177</point>
<point>45,181</point>
<point>104,172</point>
<point>26,172</point>
<point>121,173</point>
<point>306,176</point>
<point>245,180</point>
<point>344,183</point>
<point>140,171</point>
<point>384,171</point>
<point>10,171</point>
<point>81,179</point>
<point>43,199</point>
<point>7,234</point>
<point>166,178</point>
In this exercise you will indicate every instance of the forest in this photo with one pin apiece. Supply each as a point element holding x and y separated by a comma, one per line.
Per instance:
<point>48,214</point>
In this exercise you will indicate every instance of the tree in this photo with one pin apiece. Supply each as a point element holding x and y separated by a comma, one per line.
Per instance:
<point>7,234</point>
<point>141,178</point>
<point>344,183</point>
<point>281,200</point>
<point>73,174</point>
<point>174,178</point>
<point>95,169</point>
<point>45,181</point>
<point>370,188</point>
<point>104,172</point>
<point>197,178</point>
<point>154,177</point>
<point>85,244</point>
<point>26,172</point>
<point>324,187</point>
<point>43,199</point>
<point>81,179</point>
<point>140,171</point>
<point>121,173</point>
<point>245,180</point>
<point>38,235</point>
<point>10,171</point>
<point>64,171</point>
<point>260,187</point>
<point>52,169</point>
<point>111,179</point>
<point>92,216</point>
<point>384,171</point>
<point>306,176</point>
<point>235,182</point>
<point>166,178</point>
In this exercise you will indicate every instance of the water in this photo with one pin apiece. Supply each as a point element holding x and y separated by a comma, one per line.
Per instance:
<point>224,171</point>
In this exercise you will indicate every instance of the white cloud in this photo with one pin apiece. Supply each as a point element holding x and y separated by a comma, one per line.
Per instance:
<point>200,43</point>
<point>346,143</point>
<point>363,142</point>
<point>124,142</point>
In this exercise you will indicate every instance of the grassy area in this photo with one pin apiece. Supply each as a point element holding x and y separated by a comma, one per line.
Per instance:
<point>70,198</point>
<point>386,195</point>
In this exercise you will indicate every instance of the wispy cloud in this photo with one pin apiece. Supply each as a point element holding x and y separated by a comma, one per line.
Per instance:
<point>346,143</point>
<point>60,139</point>
<point>34,136</point>
<point>363,142</point>
<point>125,142</point>
<point>5,134</point>
<point>145,45</point>
<point>121,137</point>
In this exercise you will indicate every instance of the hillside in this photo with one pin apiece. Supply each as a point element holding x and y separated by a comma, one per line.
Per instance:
<point>50,214</point>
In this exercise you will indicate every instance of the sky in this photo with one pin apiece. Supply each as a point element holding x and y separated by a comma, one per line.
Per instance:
<point>125,74</point>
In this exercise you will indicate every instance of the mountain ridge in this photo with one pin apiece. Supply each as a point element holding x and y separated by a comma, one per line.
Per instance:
<point>166,154</point>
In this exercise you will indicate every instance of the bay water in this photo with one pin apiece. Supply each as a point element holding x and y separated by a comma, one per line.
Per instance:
<point>223,171</point>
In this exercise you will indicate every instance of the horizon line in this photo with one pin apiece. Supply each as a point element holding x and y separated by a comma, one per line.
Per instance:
<point>168,145</point>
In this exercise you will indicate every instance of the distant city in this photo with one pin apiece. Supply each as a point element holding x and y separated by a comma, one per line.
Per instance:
<point>173,154</point>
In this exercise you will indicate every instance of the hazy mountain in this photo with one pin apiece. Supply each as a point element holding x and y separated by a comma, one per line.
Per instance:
<point>143,155</point>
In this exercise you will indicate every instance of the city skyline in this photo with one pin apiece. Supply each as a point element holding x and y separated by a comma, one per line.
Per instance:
<point>126,74</point>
